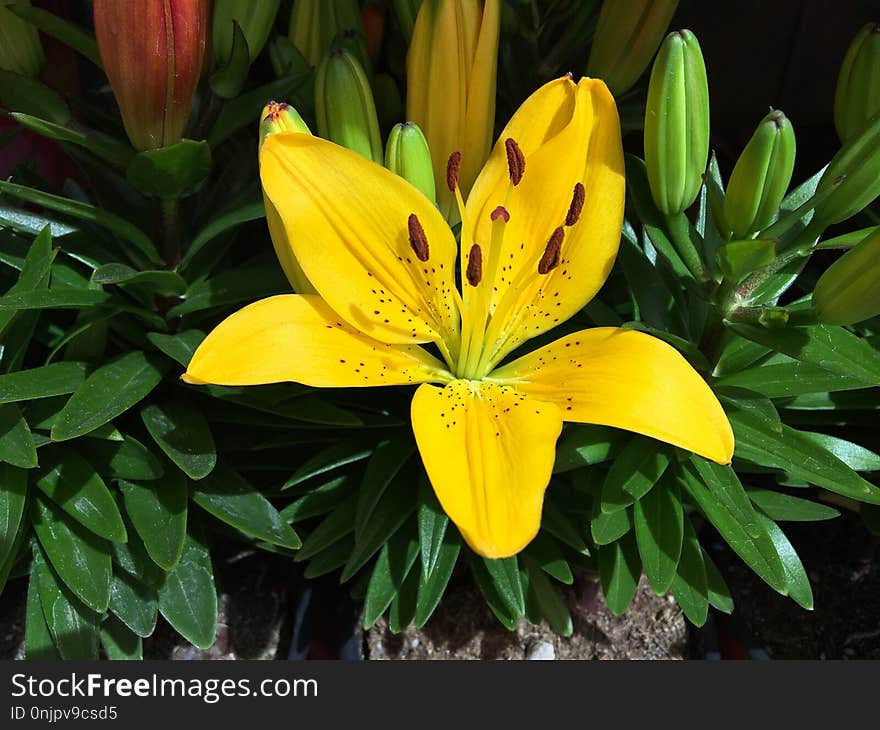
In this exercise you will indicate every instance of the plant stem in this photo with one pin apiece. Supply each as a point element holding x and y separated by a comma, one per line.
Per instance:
<point>169,217</point>
<point>678,227</point>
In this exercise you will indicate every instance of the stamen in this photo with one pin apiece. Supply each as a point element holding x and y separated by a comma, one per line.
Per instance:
<point>550,259</point>
<point>452,166</point>
<point>417,238</point>
<point>577,205</point>
<point>475,265</point>
<point>500,212</point>
<point>516,160</point>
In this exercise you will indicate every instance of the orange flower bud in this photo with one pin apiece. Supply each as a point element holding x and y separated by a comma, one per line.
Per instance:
<point>152,51</point>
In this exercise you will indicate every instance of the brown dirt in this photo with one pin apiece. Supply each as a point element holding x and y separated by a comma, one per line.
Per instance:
<point>464,628</point>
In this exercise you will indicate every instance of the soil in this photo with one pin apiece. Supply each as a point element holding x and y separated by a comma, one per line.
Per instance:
<point>463,627</point>
<point>841,560</point>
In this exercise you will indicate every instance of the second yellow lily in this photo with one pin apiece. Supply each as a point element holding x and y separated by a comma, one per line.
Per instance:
<point>540,232</point>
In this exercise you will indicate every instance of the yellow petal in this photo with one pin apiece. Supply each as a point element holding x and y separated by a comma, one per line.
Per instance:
<point>489,453</point>
<point>347,221</point>
<point>626,379</point>
<point>569,134</point>
<point>300,339</point>
<point>292,270</point>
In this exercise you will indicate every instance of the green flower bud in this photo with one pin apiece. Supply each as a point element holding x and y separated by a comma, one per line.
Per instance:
<point>677,123</point>
<point>315,23</point>
<point>854,173</point>
<point>761,176</point>
<point>279,117</point>
<point>344,105</point>
<point>627,35</point>
<point>857,97</point>
<point>407,155</point>
<point>849,291</point>
<point>20,49</point>
<point>254,18</point>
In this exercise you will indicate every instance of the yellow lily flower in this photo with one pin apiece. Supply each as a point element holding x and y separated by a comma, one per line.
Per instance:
<point>540,232</point>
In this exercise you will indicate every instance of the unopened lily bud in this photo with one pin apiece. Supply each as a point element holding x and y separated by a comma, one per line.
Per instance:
<point>849,290</point>
<point>761,176</point>
<point>451,71</point>
<point>280,117</point>
<point>20,48</point>
<point>254,18</point>
<point>857,97</point>
<point>315,23</point>
<point>854,173</point>
<point>152,52</point>
<point>628,33</point>
<point>407,155</point>
<point>677,123</point>
<point>344,106</point>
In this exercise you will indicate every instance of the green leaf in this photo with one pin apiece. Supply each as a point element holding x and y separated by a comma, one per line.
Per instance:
<point>784,507</point>
<point>16,442</point>
<point>656,304</point>
<point>83,211</point>
<point>555,522</point>
<point>73,626</point>
<point>606,527</point>
<point>188,598</point>
<point>795,575</point>
<point>158,511</point>
<point>81,559</point>
<point>23,94</point>
<point>134,603</point>
<point>403,607</point>
<point>856,457</point>
<point>333,558</point>
<point>228,80</point>
<point>386,462</point>
<point>737,258</point>
<point>799,456</point>
<point>690,585</point>
<point>245,283</point>
<point>337,525</point>
<point>108,392</point>
<point>119,642</point>
<point>544,552</point>
<point>498,581</point>
<point>717,590</point>
<point>108,149</point>
<point>38,643</point>
<point>179,347</point>
<point>721,498</point>
<point>319,500</point>
<point>394,563</point>
<point>219,225</point>
<point>587,445</point>
<point>432,521</point>
<point>340,454</point>
<point>57,379</point>
<point>60,28</point>
<point>636,469</point>
<point>659,520</point>
<point>832,348</point>
<point>229,498</point>
<point>132,557</point>
<point>789,379</point>
<point>431,589</point>
<point>170,172</point>
<point>34,272</point>
<point>182,432</point>
<point>619,571</point>
<point>54,299</point>
<point>74,485</point>
<point>550,602</point>
<point>162,282</point>
<point>243,110</point>
<point>126,459</point>
<point>13,495</point>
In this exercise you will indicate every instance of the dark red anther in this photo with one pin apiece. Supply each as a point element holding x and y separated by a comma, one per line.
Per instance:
<point>550,259</point>
<point>500,212</point>
<point>417,238</point>
<point>475,265</point>
<point>577,204</point>
<point>452,167</point>
<point>516,160</point>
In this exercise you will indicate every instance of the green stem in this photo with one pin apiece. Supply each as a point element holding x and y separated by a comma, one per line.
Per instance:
<point>169,217</point>
<point>679,228</point>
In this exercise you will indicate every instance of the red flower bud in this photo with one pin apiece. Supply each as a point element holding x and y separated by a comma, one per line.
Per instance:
<point>152,51</point>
